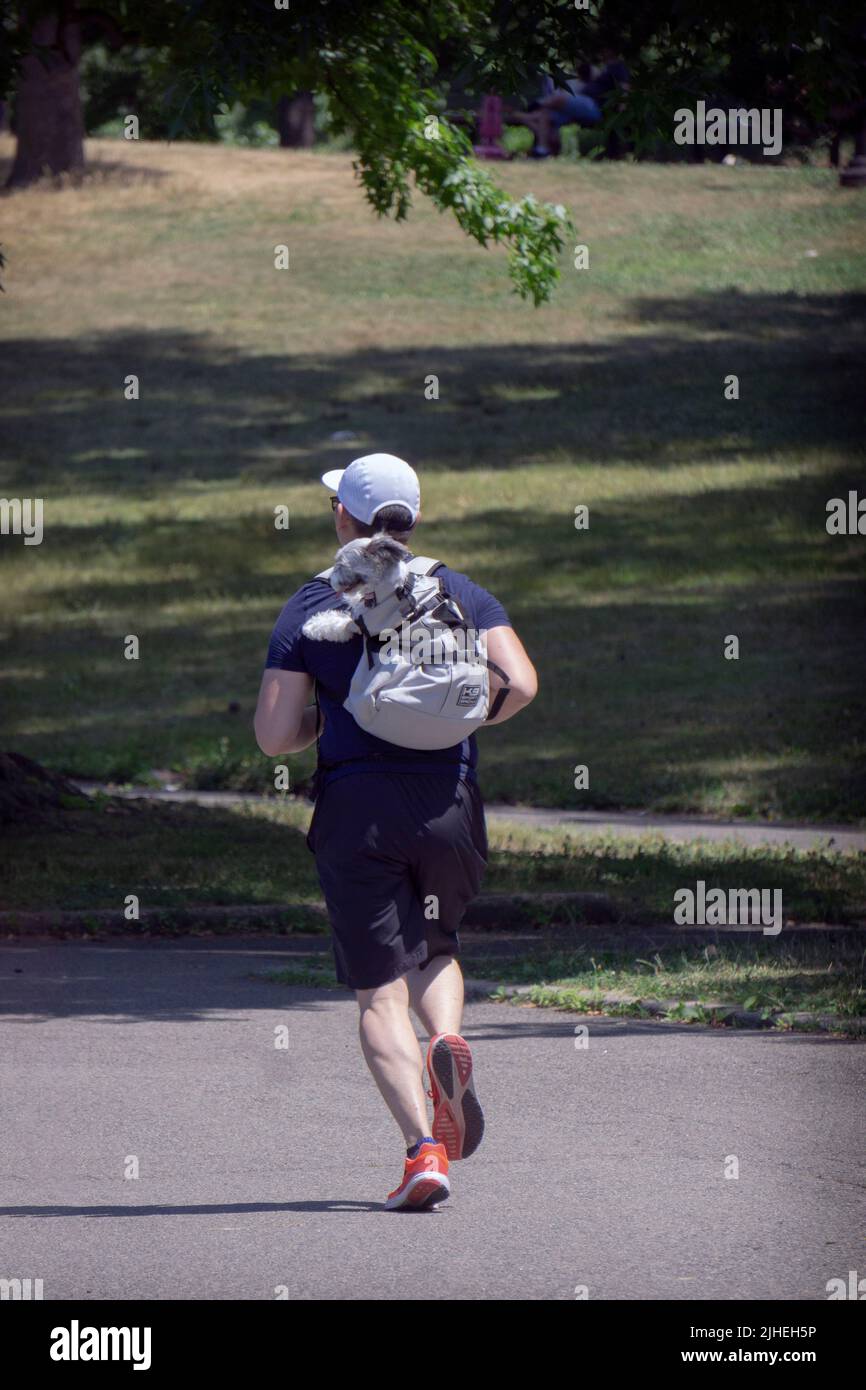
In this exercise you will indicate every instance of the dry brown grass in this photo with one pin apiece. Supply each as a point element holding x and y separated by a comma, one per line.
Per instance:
<point>91,256</point>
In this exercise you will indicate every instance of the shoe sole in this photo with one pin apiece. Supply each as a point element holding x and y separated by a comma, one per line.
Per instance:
<point>421,1192</point>
<point>458,1120</point>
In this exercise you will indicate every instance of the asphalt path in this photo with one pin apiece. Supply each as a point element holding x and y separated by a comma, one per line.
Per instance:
<point>264,1169</point>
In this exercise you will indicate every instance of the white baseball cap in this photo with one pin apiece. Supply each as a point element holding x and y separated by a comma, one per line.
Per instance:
<point>373,482</point>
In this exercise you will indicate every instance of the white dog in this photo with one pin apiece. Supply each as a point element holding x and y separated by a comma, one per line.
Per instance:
<point>365,572</point>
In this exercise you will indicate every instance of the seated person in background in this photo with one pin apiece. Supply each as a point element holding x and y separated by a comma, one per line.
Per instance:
<point>580,107</point>
<point>573,86</point>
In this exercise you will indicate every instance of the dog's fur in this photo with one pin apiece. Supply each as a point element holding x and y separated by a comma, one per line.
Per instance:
<point>364,572</point>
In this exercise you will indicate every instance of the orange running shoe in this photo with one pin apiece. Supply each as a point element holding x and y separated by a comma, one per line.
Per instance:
<point>425,1180</point>
<point>458,1121</point>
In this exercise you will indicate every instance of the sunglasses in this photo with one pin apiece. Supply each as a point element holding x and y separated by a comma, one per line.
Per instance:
<point>334,503</point>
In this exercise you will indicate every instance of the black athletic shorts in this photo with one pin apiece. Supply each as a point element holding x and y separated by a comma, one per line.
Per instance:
<point>399,856</point>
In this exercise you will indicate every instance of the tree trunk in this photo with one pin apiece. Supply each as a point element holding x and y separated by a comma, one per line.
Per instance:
<point>295,121</point>
<point>48,120</point>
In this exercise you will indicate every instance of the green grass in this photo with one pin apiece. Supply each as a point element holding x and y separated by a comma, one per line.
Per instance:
<point>642,873</point>
<point>310,972</point>
<point>801,973</point>
<point>168,856</point>
<point>176,856</point>
<point>706,515</point>
<point>818,975</point>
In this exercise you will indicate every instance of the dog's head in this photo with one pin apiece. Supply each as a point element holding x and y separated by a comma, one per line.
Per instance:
<point>369,564</point>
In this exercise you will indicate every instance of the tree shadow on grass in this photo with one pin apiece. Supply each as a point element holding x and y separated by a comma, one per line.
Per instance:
<point>656,395</point>
<point>99,172</point>
<point>633,677</point>
<point>626,621</point>
<point>174,858</point>
<point>170,857</point>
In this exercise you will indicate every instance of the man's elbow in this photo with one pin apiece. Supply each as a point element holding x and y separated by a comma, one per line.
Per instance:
<point>525,690</point>
<point>266,741</point>
<point>529,684</point>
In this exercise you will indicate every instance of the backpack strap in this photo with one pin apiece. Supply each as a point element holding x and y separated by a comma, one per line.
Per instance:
<point>424,564</point>
<point>498,701</point>
<point>419,564</point>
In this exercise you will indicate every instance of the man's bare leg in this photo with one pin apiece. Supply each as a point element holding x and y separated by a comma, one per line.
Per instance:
<point>392,1053</point>
<point>436,995</point>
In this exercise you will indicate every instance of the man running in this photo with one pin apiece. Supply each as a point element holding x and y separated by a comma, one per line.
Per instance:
<point>399,837</point>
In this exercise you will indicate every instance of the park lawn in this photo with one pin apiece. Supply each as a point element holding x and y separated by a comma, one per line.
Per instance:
<point>804,974</point>
<point>706,515</point>
<point>797,973</point>
<point>95,853</point>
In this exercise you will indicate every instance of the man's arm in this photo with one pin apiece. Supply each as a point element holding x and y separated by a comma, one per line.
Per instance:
<point>506,649</point>
<point>285,722</point>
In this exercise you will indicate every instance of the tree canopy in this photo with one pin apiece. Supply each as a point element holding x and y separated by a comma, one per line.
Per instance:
<point>384,67</point>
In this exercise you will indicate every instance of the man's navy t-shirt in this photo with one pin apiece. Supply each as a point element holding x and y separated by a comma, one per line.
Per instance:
<point>332,665</point>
